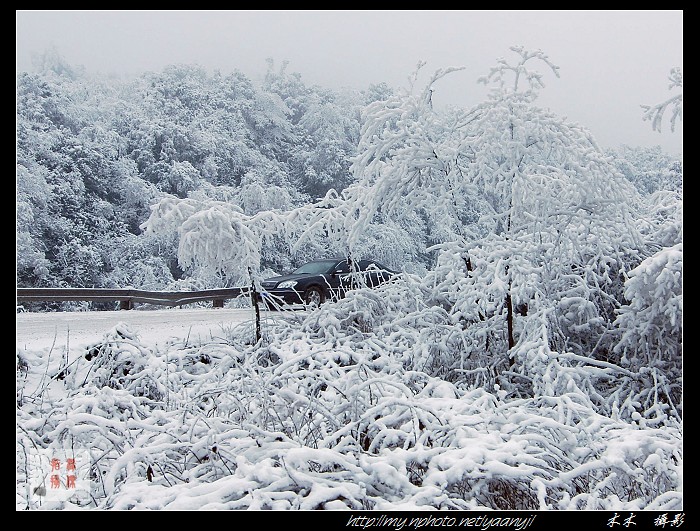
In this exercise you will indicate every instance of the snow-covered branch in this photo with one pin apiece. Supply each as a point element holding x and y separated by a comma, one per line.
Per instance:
<point>655,113</point>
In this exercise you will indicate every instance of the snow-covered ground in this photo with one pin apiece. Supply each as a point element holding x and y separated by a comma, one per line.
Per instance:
<point>41,330</point>
<point>156,420</point>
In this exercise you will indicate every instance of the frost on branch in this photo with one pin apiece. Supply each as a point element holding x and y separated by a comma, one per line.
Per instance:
<point>655,113</point>
<point>533,78</point>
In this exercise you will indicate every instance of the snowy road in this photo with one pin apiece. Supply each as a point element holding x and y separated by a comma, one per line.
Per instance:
<point>40,330</point>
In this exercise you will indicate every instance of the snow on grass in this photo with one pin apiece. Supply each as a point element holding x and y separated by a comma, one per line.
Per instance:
<point>304,423</point>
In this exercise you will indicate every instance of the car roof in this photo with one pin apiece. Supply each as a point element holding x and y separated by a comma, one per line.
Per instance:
<point>342,260</point>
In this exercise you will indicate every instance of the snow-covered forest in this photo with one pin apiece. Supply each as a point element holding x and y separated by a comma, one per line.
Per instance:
<point>529,356</point>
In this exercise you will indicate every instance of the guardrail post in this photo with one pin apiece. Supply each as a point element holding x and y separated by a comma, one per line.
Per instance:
<point>126,305</point>
<point>217,303</point>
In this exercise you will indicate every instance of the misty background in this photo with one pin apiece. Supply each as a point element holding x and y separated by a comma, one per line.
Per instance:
<point>611,62</point>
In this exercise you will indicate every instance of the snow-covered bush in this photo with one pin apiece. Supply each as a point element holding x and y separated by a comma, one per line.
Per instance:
<point>651,329</point>
<point>307,424</point>
<point>651,324</point>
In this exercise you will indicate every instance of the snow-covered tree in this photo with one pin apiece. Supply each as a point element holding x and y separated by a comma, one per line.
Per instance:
<point>554,234</point>
<point>217,237</point>
<point>65,184</point>
<point>649,169</point>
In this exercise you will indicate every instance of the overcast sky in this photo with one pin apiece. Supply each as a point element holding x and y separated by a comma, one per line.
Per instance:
<point>610,62</point>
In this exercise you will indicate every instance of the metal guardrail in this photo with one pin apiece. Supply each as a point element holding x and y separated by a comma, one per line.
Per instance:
<point>127,297</point>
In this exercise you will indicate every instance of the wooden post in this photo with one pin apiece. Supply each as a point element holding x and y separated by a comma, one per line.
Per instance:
<point>217,303</point>
<point>126,305</point>
<point>256,305</point>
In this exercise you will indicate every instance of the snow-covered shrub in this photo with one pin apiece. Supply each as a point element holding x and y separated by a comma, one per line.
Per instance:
<point>666,217</point>
<point>320,419</point>
<point>651,329</point>
<point>120,362</point>
<point>652,323</point>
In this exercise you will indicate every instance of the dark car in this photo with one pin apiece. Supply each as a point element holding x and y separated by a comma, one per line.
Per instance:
<point>320,280</point>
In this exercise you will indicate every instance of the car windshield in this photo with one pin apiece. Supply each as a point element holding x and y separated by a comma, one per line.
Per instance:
<point>315,268</point>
